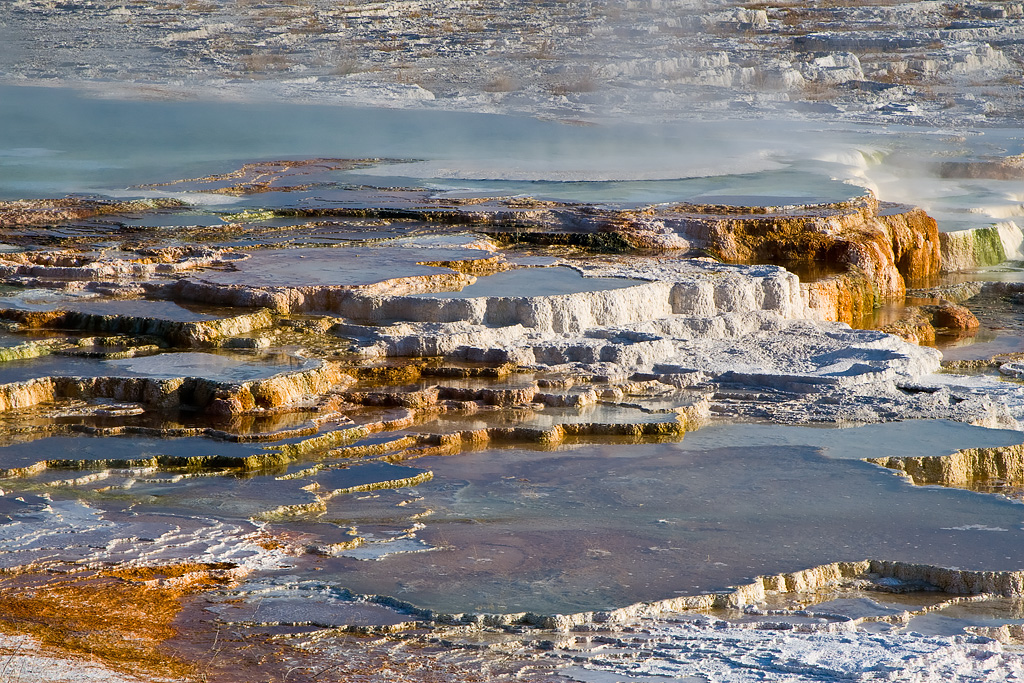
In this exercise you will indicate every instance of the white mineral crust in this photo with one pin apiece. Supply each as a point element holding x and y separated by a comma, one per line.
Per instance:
<point>71,531</point>
<point>715,651</point>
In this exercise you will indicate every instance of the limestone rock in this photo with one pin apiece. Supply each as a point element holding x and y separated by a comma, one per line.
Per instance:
<point>963,468</point>
<point>953,316</point>
<point>963,249</point>
<point>218,398</point>
<point>178,333</point>
<point>914,327</point>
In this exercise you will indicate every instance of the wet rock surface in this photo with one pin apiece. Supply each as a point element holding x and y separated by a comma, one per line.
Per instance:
<point>386,402</point>
<point>954,316</point>
<point>479,411</point>
<point>355,403</point>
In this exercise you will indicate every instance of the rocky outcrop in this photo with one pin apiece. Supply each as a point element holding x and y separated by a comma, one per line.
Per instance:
<point>918,324</point>
<point>691,288</point>
<point>685,322</point>
<point>880,248</point>
<point>31,349</point>
<point>200,333</point>
<point>48,211</point>
<point>75,266</point>
<point>873,249</point>
<point>282,390</point>
<point>850,298</point>
<point>1014,290</point>
<point>956,292</point>
<point>215,398</point>
<point>313,298</point>
<point>965,469</point>
<point>879,575</point>
<point>914,326</point>
<point>700,288</point>
<point>952,316</point>
<point>567,313</point>
<point>963,249</point>
<point>689,412</point>
<point>449,444</point>
<point>979,247</point>
<point>754,347</point>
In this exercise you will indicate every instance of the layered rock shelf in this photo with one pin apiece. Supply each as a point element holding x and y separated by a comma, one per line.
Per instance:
<point>518,397</point>
<point>876,249</point>
<point>898,62</point>
<point>873,250</point>
<point>975,468</point>
<point>187,334</point>
<point>870,574</point>
<point>345,374</point>
<point>676,319</point>
<point>216,398</point>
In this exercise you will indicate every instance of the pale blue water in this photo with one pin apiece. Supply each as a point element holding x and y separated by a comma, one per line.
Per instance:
<point>600,525</point>
<point>50,300</point>
<point>218,367</point>
<point>54,141</point>
<point>90,448</point>
<point>112,144</point>
<point>594,527</point>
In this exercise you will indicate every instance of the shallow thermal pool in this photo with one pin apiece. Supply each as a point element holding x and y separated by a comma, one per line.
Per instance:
<point>772,187</point>
<point>604,526</point>
<point>348,266</point>
<point>50,300</point>
<point>116,143</point>
<point>218,367</point>
<point>582,527</point>
<point>598,526</point>
<point>87,448</point>
<point>526,282</point>
<point>110,145</point>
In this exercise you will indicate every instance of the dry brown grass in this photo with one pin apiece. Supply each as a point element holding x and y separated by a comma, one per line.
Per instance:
<point>827,4</point>
<point>199,575</point>
<point>201,7</point>
<point>543,50</point>
<point>310,26</point>
<point>393,45</point>
<point>346,66</point>
<point>262,62</point>
<point>816,91</point>
<point>406,73</point>
<point>502,84</point>
<point>582,83</point>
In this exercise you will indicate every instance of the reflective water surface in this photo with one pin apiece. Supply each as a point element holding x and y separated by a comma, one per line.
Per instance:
<point>594,523</point>
<point>597,527</point>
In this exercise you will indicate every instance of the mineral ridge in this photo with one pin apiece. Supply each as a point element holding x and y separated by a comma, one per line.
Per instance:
<point>217,421</point>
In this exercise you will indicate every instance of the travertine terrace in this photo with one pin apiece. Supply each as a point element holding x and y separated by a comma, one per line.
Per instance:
<point>629,326</point>
<point>544,341</point>
<point>919,61</point>
<point>667,322</point>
